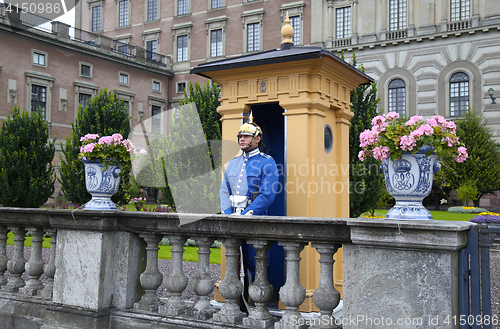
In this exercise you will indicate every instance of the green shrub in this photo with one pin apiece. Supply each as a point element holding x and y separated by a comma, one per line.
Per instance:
<point>105,115</point>
<point>467,192</point>
<point>467,210</point>
<point>26,170</point>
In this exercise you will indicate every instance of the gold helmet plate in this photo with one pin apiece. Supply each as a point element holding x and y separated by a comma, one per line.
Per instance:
<point>250,128</point>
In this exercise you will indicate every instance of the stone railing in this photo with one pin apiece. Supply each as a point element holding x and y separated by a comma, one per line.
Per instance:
<point>459,25</point>
<point>103,270</point>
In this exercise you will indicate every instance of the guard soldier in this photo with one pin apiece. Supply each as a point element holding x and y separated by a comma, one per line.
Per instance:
<point>251,178</point>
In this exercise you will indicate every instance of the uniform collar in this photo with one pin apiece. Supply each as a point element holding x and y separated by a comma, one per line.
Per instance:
<point>251,153</point>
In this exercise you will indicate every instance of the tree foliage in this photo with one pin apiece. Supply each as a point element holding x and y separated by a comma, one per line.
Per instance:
<point>365,178</point>
<point>207,101</point>
<point>105,115</point>
<point>184,161</point>
<point>483,164</point>
<point>26,171</point>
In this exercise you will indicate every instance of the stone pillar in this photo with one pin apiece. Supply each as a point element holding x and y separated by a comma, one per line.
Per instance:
<point>292,293</point>
<point>261,291</point>
<point>176,281</point>
<point>17,263</point>
<point>151,278</point>
<point>49,269</point>
<point>202,283</point>
<point>326,297</point>
<point>3,254</point>
<point>402,269</point>
<point>231,287</point>
<point>34,267</point>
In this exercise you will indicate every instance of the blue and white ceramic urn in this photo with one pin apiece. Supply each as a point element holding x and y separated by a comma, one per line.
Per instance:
<point>102,183</point>
<point>409,180</point>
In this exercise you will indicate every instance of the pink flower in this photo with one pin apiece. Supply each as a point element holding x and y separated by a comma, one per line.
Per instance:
<point>106,140</point>
<point>407,143</point>
<point>143,151</point>
<point>88,147</point>
<point>117,138</point>
<point>392,115</point>
<point>381,152</point>
<point>368,137</point>
<point>462,154</point>
<point>440,119</point>
<point>450,125</point>
<point>378,120</point>
<point>128,144</point>
<point>361,155</point>
<point>89,137</point>
<point>432,122</point>
<point>452,141</point>
<point>414,119</point>
<point>427,129</point>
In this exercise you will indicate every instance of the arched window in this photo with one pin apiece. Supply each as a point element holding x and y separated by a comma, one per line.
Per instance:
<point>459,94</point>
<point>397,97</point>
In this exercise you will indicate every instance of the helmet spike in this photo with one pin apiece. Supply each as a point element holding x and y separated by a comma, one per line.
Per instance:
<point>250,118</point>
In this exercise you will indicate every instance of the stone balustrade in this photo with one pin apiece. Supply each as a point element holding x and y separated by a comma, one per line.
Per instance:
<point>103,270</point>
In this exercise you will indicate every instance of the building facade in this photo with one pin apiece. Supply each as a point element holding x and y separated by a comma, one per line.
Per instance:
<point>56,69</point>
<point>428,57</point>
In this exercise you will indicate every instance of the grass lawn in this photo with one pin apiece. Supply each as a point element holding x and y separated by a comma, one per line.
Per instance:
<point>438,215</point>
<point>190,253</point>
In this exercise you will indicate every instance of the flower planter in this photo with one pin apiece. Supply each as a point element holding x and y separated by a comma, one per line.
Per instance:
<point>409,180</point>
<point>102,183</point>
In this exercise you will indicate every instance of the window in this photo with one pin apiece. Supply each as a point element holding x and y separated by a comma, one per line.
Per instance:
<point>216,4</point>
<point>343,29</point>
<point>123,13</point>
<point>152,10</point>
<point>216,43</point>
<point>126,106</point>
<point>182,7</point>
<point>39,100</point>
<point>295,23</point>
<point>328,138</point>
<point>96,18</point>
<point>151,50</point>
<point>181,86</point>
<point>182,48</point>
<point>397,97</point>
<point>85,70</point>
<point>124,78</point>
<point>156,86</point>
<point>155,119</point>
<point>459,94</point>
<point>84,100</point>
<point>253,37</point>
<point>123,49</point>
<point>397,15</point>
<point>460,9</point>
<point>38,59</point>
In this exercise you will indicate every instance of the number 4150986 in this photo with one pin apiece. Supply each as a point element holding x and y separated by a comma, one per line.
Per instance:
<point>35,8</point>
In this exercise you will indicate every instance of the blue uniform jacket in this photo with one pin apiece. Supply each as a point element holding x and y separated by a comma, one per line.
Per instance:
<point>247,173</point>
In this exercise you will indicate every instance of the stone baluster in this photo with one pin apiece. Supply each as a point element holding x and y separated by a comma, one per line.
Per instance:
<point>17,263</point>
<point>151,278</point>
<point>3,254</point>
<point>203,284</point>
<point>49,269</point>
<point>326,297</point>
<point>176,281</point>
<point>34,266</point>
<point>292,293</point>
<point>231,287</point>
<point>261,291</point>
